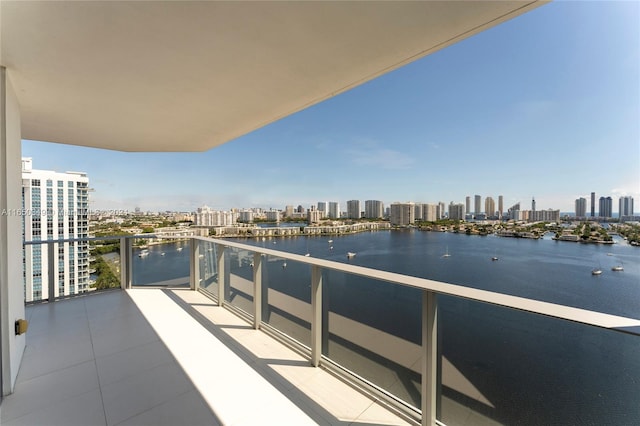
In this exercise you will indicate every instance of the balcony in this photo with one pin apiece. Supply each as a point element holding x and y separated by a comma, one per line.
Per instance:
<point>239,332</point>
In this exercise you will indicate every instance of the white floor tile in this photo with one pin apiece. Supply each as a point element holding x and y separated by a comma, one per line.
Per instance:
<point>143,391</point>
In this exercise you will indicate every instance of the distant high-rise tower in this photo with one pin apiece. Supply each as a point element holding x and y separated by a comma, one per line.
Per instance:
<point>456,211</point>
<point>477,204</point>
<point>500,206</point>
<point>533,204</point>
<point>606,207</point>
<point>625,206</point>
<point>373,209</point>
<point>353,209</point>
<point>334,210</point>
<point>402,214</point>
<point>467,204</point>
<point>489,206</point>
<point>59,210</point>
<point>440,212</point>
<point>581,207</point>
<point>323,207</point>
<point>593,204</point>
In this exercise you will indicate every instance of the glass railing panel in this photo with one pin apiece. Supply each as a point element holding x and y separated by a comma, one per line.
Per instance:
<point>286,297</point>
<point>505,366</point>
<point>239,291</point>
<point>372,328</point>
<point>208,264</point>
<point>103,258</point>
<point>159,263</point>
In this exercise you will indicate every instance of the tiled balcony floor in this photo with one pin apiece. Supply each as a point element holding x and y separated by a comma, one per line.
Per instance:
<point>145,357</point>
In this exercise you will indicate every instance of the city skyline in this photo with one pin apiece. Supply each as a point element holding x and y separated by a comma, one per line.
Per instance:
<point>537,106</point>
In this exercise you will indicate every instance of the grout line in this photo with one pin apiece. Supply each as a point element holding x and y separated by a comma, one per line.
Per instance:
<point>95,364</point>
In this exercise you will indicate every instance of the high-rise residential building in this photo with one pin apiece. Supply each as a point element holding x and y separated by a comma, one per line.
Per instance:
<point>288,211</point>
<point>500,206</point>
<point>533,204</point>
<point>593,205</point>
<point>430,212</point>
<point>441,210</point>
<point>489,206</point>
<point>514,212</point>
<point>467,204</point>
<point>606,207</point>
<point>205,216</point>
<point>373,209</point>
<point>581,207</point>
<point>314,216</point>
<point>272,215</point>
<point>456,211</point>
<point>477,204</point>
<point>353,209</point>
<point>323,207</point>
<point>246,216</point>
<point>334,210</point>
<point>56,207</point>
<point>417,214</point>
<point>625,206</point>
<point>402,214</point>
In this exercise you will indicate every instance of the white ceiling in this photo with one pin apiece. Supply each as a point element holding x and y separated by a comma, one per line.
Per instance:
<point>188,76</point>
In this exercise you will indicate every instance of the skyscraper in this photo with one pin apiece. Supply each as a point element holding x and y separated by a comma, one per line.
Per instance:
<point>456,211</point>
<point>467,204</point>
<point>353,209</point>
<point>323,207</point>
<point>581,207</point>
<point>373,209</point>
<point>533,204</point>
<point>606,207</point>
<point>489,206</point>
<point>625,206</point>
<point>57,205</point>
<point>477,204</point>
<point>500,205</point>
<point>334,210</point>
<point>593,205</point>
<point>402,214</point>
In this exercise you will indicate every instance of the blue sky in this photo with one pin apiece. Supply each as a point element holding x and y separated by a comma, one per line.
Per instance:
<point>545,105</point>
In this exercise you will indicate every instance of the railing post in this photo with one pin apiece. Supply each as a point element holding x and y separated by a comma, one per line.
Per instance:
<point>429,357</point>
<point>257,290</point>
<point>194,264</point>
<point>316,315</point>
<point>221,274</point>
<point>51,279</point>
<point>125,263</point>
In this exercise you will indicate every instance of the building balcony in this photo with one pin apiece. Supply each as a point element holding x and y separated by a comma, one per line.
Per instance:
<point>304,340</point>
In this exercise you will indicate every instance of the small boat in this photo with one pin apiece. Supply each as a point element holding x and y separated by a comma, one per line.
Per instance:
<point>307,255</point>
<point>350,255</point>
<point>609,254</point>
<point>162,254</point>
<point>446,253</point>
<point>143,253</point>
<point>179,248</point>
<point>331,248</point>
<point>617,268</point>
<point>330,241</point>
<point>494,258</point>
<point>596,271</point>
<point>284,265</point>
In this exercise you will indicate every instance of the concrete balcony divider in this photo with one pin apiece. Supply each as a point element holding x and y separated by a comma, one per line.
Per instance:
<point>248,279</point>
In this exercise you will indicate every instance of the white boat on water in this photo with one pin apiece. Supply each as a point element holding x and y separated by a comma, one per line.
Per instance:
<point>446,253</point>
<point>179,248</point>
<point>596,271</point>
<point>351,254</point>
<point>617,268</point>
<point>494,258</point>
<point>143,253</point>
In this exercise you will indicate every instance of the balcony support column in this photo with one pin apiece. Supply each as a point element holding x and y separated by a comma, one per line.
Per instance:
<point>257,290</point>
<point>125,263</point>
<point>221,273</point>
<point>51,270</point>
<point>429,357</point>
<point>316,315</point>
<point>194,264</point>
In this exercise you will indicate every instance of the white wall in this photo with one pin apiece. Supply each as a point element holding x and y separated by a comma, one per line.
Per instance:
<point>11,286</point>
